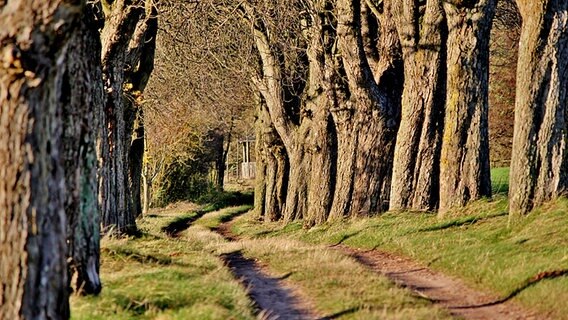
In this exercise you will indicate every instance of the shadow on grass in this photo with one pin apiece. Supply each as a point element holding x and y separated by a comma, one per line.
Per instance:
<point>178,225</point>
<point>127,253</point>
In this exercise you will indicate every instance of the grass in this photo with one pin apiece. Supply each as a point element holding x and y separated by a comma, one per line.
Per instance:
<point>335,285</point>
<point>479,244</point>
<point>157,277</point>
<point>500,180</point>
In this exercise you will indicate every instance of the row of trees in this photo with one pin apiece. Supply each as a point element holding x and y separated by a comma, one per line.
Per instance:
<point>368,106</point>
<point>71,79</point>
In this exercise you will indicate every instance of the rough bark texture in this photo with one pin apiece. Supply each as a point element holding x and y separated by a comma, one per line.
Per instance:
<point>292,134</point>
<point>128,39</point>
<point>136,157</point>
<point>421,27</point>
<point>320,142</point>
<point>82,99</point>
<point>539,167</point>
<point>33,269</point>
<point>464,164</point>
<point>139,66</point>
<point>374,116</point>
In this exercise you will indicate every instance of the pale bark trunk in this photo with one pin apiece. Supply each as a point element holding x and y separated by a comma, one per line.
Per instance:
<point>539,166</point>
<point>417,153</point>
<point>464,164</point>
<point>82,101</point>
<point>374,120</point>
<point>321,140</point>
<point>33,269</point>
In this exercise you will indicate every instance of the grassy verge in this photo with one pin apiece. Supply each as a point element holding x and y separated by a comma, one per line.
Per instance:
<point>480,246</point>
<point>335,285</point>
<point>157,277</point>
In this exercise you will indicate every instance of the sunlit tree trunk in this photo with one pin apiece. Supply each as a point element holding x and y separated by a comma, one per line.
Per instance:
<point>35,37</point>
<point>423,35</point>
<point>539,165</point>
<point>464,164</point>
<point>368,119</point>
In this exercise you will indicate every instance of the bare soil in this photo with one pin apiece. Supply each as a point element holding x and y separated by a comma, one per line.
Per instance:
<point>447,292</point>
<point>274,298</point>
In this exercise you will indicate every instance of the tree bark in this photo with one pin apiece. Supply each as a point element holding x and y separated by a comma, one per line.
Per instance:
<point>139,66</point>
<point>464,164</point>
<point>35,37</point>
<point>539,166</point>
<point>121,20</point>
<point>81,101</point>
<point>372,111</point>
<point>321,140</point>
<point>423,35</point>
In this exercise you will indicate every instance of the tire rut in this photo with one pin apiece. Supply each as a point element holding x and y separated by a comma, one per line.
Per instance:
<point>449,293</point>
<point>272,297</point>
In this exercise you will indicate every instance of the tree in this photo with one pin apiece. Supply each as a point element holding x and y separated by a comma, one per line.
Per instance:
<point>128,41</point>
<point>35,39</point>
<point>423,36</point>
<point>464,163</point>
<point>442,152</point>
<point>539,163</point>
<point>82,100</point>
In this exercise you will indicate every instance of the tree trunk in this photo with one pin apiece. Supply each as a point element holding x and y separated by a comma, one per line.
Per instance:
<point>417,152</point>
<point>122,17</point>
<point>373,120</point>
<point>539,166</point>
<point>464,165</point>
<point>35,37</point>
<point>136,158</point>
<point>139,66</point>
<point>320,143</point>
<point>81,101</point>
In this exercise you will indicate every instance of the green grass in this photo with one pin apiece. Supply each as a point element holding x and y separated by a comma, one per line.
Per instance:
<point>480,246</point>
<point>500,180</point>
<point>156,277</point>
<point>335,285</point>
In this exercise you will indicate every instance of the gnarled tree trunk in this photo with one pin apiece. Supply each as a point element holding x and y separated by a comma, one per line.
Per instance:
<point>128,39</point>
<point>423,35</point>
<point>34,37</point>
<point>81,102</point>
<point>464,164</point>
<point>372,113</point>
<point>539,165</point>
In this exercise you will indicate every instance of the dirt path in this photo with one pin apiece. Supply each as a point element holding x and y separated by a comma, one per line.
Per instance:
<point>452,294</point>
<point>273,297</point>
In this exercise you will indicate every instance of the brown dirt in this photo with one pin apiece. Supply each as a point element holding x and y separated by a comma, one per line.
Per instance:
<point>447,292</point>
<point>274,298</point>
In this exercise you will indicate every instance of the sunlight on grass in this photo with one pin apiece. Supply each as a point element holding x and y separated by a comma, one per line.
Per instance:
<point>483,248</point>
<point>500,180</point>
<point>156,277</point>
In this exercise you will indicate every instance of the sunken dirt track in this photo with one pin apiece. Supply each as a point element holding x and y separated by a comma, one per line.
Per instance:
<point>277,300</point>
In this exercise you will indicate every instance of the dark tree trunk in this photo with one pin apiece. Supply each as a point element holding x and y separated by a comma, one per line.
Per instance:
<point>417,152</point>
<point>464,165</point>
<point>136,157</point>
<point>128,41</point>
<point>81,101</point>
<point>539,166</point>
<point>33,270</point>
<point>120,24</point>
